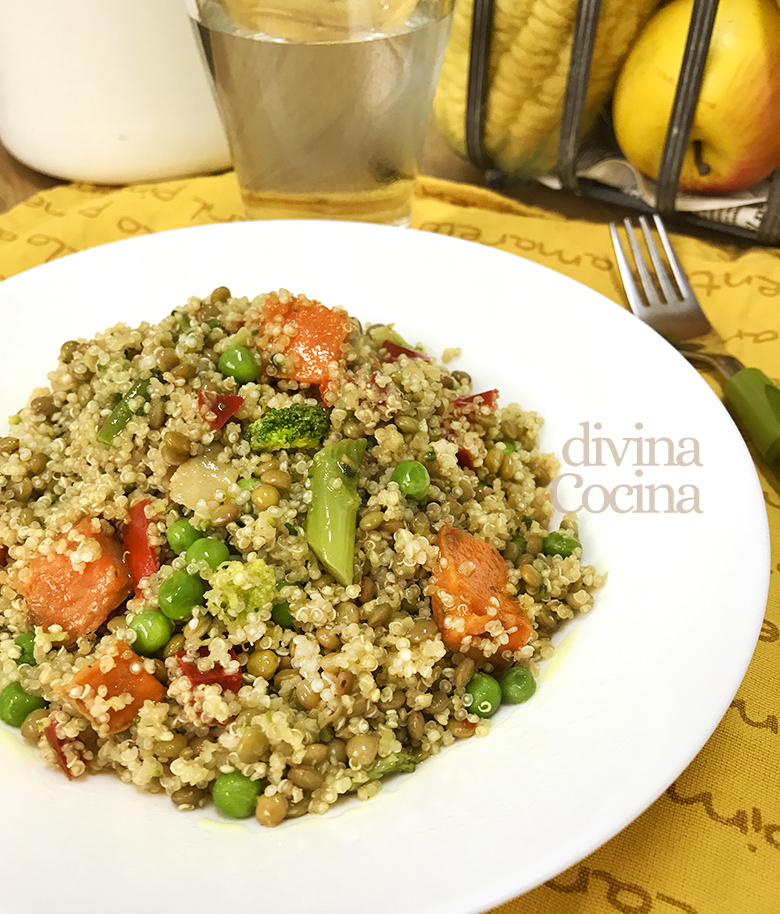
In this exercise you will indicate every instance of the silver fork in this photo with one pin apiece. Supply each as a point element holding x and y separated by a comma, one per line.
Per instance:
<point>675,313</point>
<point>668,304</point>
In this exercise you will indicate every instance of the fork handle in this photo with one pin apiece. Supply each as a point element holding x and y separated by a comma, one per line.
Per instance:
<point>756,402</point>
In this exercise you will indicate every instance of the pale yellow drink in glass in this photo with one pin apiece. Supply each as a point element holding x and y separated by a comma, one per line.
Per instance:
<point>326,102</point>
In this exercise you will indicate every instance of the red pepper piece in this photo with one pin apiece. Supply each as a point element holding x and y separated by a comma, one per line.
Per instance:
<point>216,409</point>
<point>230,682</point>
<point>487,398</point>
<point>140,555</point>
<point>465,459</point>
<point>395,350</point>
<point>57,744</point>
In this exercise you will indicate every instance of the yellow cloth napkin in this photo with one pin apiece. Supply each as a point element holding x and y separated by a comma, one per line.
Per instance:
<point>711,843</point>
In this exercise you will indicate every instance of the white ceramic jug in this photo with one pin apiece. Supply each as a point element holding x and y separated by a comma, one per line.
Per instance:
<point>107,91</point>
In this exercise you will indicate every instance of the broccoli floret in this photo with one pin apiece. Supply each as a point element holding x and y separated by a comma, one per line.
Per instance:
<point>238,588</point>
<point>397,763</point>
<point>296,426</point>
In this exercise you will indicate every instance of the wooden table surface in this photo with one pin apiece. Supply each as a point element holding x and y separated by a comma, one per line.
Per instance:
<point>18,182</point>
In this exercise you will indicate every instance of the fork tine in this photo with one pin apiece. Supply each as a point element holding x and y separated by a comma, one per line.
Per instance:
<point>633,294</point>
<point>678,317</point>
<point>671,292</point>
<point>679,274</point>
<point>651,292</point>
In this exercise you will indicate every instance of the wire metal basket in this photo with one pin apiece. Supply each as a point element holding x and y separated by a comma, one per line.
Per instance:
<point>570,142</point>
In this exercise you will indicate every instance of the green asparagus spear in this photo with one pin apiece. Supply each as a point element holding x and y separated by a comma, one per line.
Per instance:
<point>121,413</point>
<point>330,524</point>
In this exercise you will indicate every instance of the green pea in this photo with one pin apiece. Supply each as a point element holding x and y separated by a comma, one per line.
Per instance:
<point>153,630</point>
<point>180,594</point>
<point>485,694</point>
<point>412,478</point>
<point>209,550</point>
<point>520,542</point>
<point>181,535</point>
<point>517,685</point>
<point>281,615</point>
<point>558,544</point>
<point>235,794</point>
<point>239,363</point>
<point>26,643</point>
<point>16,704</point>
<point>508,446</point>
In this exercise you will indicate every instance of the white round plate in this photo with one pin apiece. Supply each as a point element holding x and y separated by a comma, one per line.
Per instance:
<point>633,693</point>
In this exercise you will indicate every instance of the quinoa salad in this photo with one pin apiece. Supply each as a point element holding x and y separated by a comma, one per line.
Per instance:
<point>262,556</point>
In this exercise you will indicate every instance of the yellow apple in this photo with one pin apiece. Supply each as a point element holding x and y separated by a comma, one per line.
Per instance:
<point>735,137</point>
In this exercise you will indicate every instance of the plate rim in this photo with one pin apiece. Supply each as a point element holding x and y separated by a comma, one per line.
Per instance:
<point>99,252</point>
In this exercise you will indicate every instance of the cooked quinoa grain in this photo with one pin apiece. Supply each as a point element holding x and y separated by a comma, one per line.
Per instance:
<point>219,575</point>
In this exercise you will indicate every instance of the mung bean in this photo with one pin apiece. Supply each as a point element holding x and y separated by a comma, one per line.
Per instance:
<point>305,777</point>
<point>270,811</point>
<point>362,750</point>
<point>415,726</point>
<point>253,746</point>
<point>263,663</point>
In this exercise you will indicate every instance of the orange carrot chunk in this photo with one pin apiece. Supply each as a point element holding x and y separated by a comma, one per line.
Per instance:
<point>112,689</point>
<point>470,604</point>
<point>79,587</point>
<point>303,338</point>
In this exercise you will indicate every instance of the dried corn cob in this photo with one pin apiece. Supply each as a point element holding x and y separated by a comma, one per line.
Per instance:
<point>529,63</point>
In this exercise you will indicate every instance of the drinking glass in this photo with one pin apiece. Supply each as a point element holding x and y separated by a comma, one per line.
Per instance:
<point>326,103</point>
